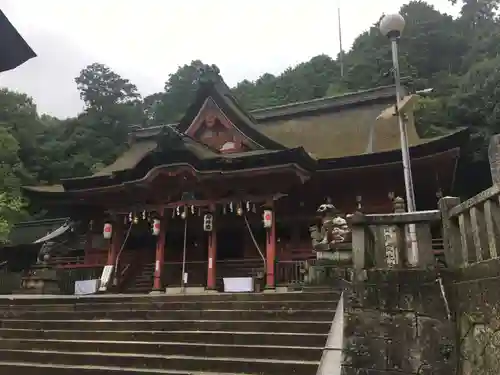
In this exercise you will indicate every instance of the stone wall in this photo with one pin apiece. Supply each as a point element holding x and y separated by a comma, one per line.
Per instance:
<point>476,295</point>
<point>396,324</point>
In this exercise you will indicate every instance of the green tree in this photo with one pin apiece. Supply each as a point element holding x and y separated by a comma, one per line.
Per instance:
<point>476,102</point>
<point>100,87</point>
<point>11,172</point>
<point>427,33</point>
<point>309,80</point>
<point>9,207</point>
<point>168,107</point>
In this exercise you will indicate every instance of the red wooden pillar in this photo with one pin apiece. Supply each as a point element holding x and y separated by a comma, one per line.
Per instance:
<point>271,248</point>
<point>89,236</point>
<point>116,241</point>
<point>212,253</point>
<point>160,253</point>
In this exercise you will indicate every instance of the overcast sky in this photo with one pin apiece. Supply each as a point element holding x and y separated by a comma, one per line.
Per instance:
<point>145,40</point>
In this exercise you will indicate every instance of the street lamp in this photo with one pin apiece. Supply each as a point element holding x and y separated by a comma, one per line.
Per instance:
<point>391,26</point>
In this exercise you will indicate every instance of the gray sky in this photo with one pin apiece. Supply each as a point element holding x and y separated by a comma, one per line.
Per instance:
<point>145,40</point>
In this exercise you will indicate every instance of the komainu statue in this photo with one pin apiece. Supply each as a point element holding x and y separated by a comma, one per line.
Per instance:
<point>334,229</point>
<point>45,252</point>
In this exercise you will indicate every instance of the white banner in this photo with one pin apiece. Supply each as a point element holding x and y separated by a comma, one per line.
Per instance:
<point>83,287</point>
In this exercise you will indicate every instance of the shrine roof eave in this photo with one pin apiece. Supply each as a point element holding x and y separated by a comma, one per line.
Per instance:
<point>225,164</point>
<point>438,145</point>
<point>57,192</point>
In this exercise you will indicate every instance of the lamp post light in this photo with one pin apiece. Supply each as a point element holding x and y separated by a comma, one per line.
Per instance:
<point>392,26</point>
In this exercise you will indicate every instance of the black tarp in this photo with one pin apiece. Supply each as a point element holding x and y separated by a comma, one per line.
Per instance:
<point>14,50</point>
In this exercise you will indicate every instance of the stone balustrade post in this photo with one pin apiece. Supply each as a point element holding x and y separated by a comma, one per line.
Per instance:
<point>451,233</point>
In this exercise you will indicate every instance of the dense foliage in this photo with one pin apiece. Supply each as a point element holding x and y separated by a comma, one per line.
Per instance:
<point>458,57</point>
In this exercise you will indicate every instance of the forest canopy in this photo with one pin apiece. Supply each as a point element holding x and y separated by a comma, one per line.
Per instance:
<point>457,57</point>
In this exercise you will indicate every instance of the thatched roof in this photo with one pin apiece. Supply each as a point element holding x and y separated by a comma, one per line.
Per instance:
<point>129,158</point>
<point>344,125</point>
<point>342,133</point>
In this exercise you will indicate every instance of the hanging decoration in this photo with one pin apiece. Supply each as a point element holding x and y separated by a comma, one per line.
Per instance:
<point>156,227</point>
<point>267,218</point>
<point>359,199</point>
<point>107,231</point>
<point>239,210</point>
<point>208,222</point>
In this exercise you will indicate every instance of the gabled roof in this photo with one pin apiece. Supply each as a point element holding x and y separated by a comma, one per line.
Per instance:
<point>213,88</point>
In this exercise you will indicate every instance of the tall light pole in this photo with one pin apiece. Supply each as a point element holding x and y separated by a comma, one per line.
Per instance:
<point>392,26</point>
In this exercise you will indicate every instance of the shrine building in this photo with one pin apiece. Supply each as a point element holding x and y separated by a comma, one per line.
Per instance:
<point>229,192</point>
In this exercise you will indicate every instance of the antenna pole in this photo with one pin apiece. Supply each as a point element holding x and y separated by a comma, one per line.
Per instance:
<point>341,53</point>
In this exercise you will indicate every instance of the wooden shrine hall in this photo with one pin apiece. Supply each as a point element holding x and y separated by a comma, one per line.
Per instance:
<point>228,192</point>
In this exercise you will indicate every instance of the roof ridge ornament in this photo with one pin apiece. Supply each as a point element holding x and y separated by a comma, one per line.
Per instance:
<point>208,74</point>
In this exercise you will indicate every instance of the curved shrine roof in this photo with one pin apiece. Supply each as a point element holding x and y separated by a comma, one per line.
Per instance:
<point>349,130</point>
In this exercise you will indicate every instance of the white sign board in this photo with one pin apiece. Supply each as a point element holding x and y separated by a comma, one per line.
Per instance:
<point>238,284</point>
<point>83,287</point>
<point>106,277</point>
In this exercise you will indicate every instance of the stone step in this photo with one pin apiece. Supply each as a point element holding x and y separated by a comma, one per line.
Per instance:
<point>179,305</point>
<point>164,362</point>
<point>298,315</point>
<point>209,337</point>
<point>290,326</point>
<point>28,368</point>
<point>123,298</point>
<point>262,351</point>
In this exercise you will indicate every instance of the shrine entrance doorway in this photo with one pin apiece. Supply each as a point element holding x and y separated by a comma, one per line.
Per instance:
<point>231,243</point>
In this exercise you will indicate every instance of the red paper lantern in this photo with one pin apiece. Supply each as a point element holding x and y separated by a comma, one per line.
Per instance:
<point>267,218</point>
<point>156,227</point>
<point>107,231</point>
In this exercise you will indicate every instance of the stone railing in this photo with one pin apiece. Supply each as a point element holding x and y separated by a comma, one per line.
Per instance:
<point>471,229</point>
<point>385,240</point>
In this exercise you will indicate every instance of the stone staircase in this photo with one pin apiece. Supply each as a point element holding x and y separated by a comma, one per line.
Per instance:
<point>142,281</point>
<point>271,333</point>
